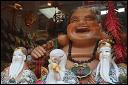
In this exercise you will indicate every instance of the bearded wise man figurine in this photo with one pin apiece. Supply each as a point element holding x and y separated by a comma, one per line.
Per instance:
<point>18,72</point>
<point>58,74</point>
<point>107,70</point>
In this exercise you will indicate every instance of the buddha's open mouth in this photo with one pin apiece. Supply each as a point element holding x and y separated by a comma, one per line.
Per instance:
<point>82,30</point>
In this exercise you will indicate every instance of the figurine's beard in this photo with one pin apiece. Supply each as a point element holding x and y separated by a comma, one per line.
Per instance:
<point>103,69</point>
<point>15,68</point>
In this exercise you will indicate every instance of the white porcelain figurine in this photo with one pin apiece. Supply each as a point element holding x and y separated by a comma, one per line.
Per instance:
<point>107,70</point>
<point>18,72</point>
<point>58,74</point>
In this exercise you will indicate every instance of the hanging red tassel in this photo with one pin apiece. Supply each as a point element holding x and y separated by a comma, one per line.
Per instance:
<point>113,27</point>
<point>112,23</point>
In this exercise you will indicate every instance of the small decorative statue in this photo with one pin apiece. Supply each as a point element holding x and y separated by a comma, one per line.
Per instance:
<point>18,72</point>
<point>58,74</point>
<point>107,70</point>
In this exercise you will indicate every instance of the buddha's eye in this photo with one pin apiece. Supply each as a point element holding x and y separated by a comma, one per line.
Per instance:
<point>74,19</point>
<point>89,18</point>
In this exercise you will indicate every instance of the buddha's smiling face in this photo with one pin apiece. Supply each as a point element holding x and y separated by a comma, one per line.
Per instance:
<point>83,25</point>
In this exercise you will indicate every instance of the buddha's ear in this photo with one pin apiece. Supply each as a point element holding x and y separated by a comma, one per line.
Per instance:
<point>100,31</point>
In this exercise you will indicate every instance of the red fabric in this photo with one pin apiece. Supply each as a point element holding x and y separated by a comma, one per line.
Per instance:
<point>38,68</point>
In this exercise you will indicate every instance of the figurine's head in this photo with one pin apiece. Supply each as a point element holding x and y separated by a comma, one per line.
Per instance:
<point>19,54</point>
<point>105,49</point>
<point>58,57</point>
<point>84,25</point>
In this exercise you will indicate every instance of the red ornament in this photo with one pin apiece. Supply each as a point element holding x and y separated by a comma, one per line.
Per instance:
<point>112,23</point>
<point>113,27</point>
